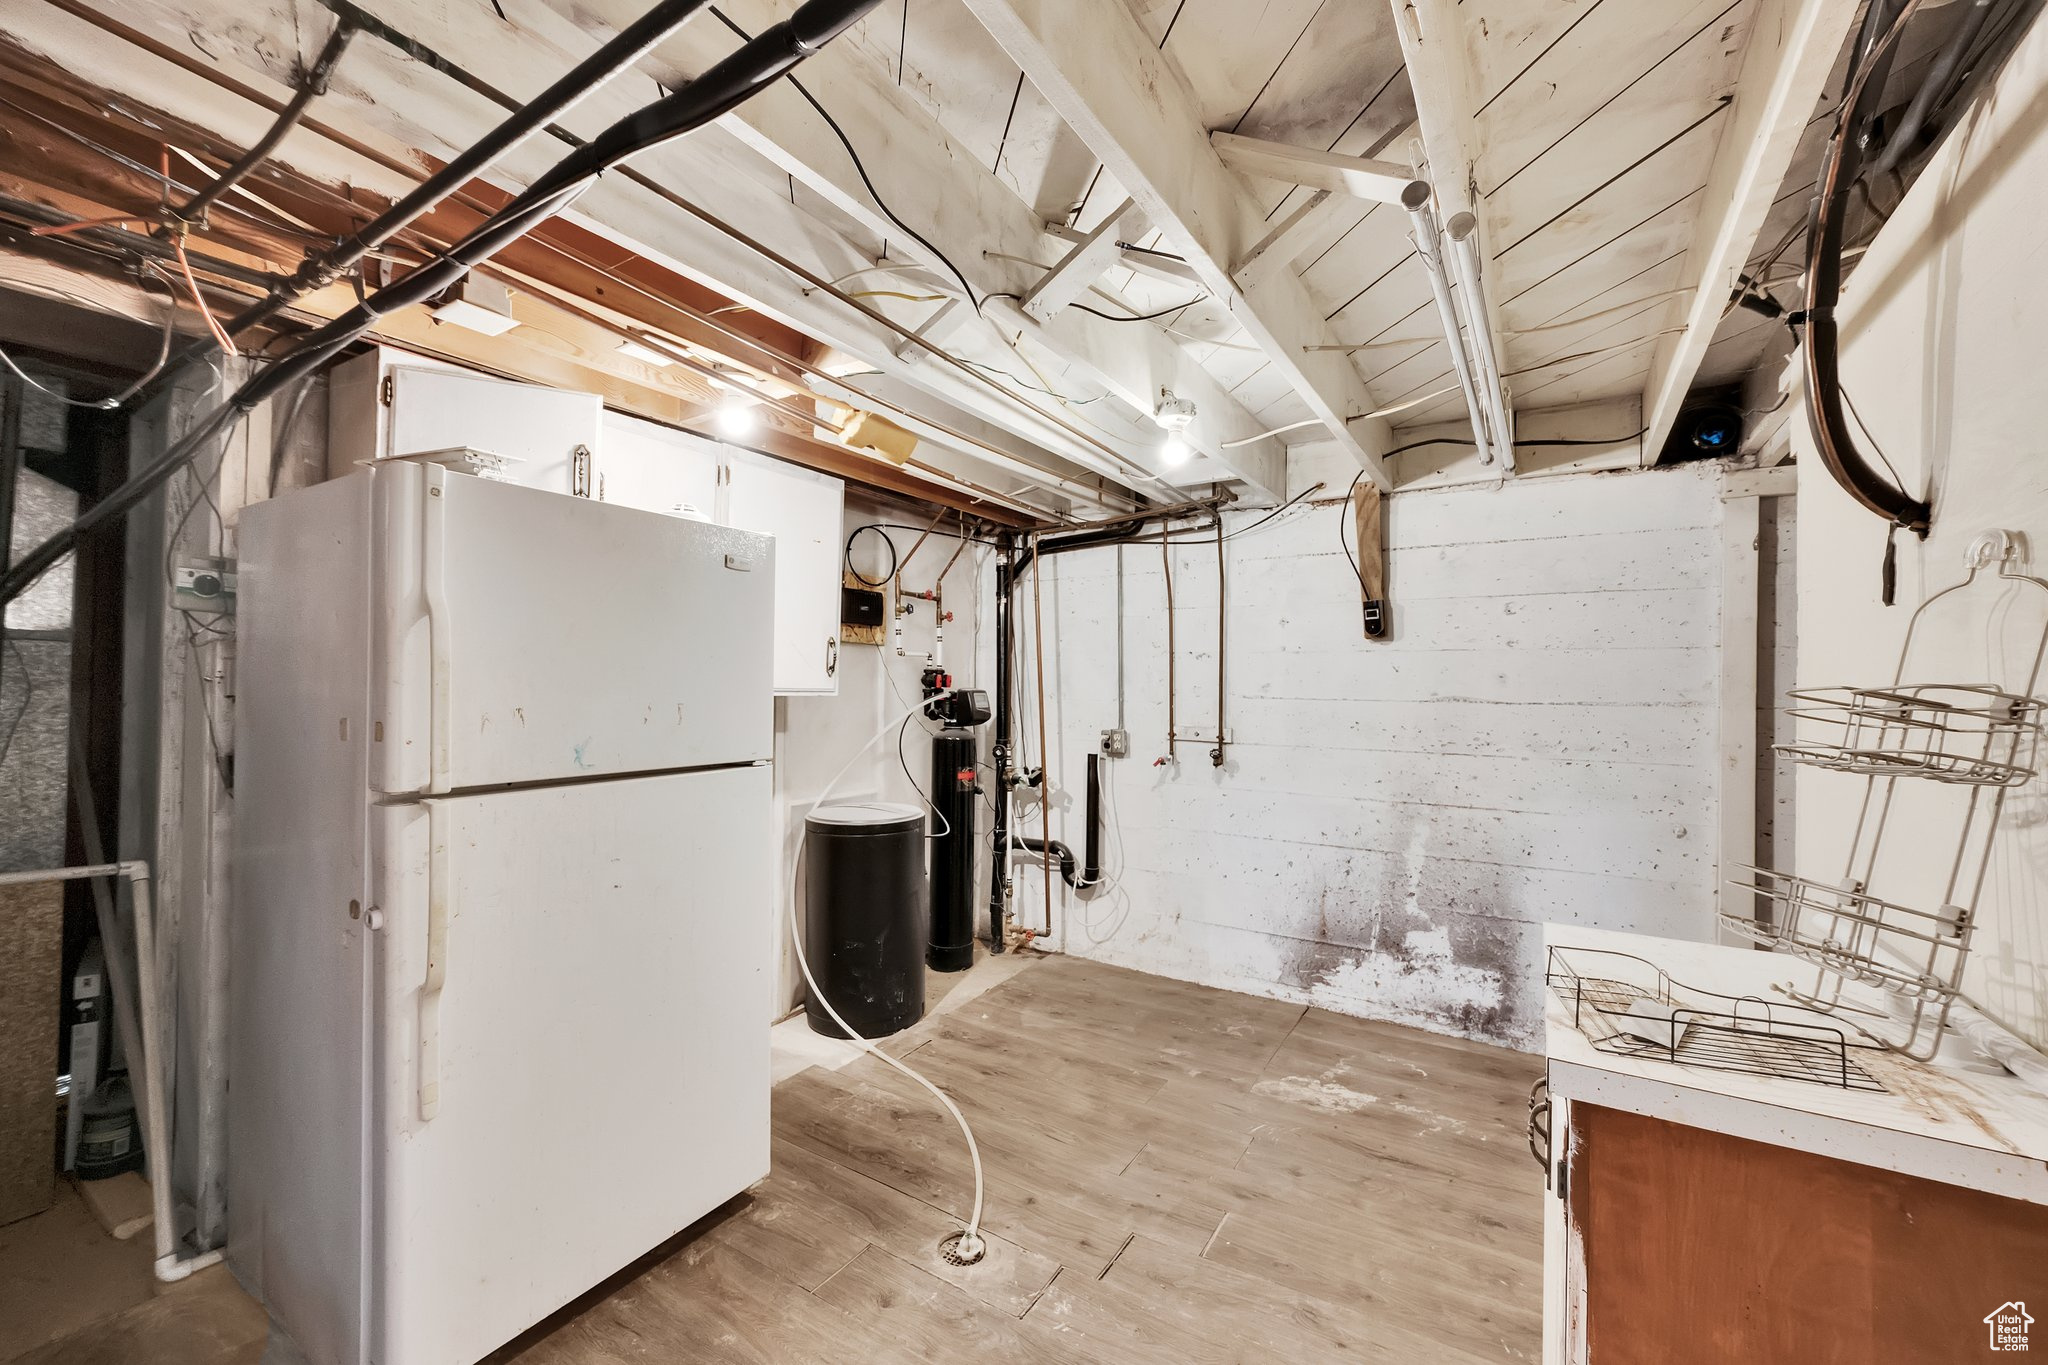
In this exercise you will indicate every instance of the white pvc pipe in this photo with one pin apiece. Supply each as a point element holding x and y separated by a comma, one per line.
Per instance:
<point>1415,199</point>
<point>151,1098</point>
<point>1989,1037</point>
<point>1464,235</point>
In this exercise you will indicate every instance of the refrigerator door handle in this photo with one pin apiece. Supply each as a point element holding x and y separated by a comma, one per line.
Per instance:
<point>434,584</point>
<point>439,882</point>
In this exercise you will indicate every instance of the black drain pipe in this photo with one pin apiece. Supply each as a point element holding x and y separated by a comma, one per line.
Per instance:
<point>999,753</point>
<point>1063,855</point>
<point>1091,866</point>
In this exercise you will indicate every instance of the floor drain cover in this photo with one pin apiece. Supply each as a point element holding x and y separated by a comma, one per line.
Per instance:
<point>962,1249</point>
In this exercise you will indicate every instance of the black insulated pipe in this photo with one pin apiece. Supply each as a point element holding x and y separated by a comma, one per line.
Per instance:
<point>999,754</point>
<point>311,86</point>
<point>718,90</point>
<point>1060,851</point>
<point>1091,864</point>
<point>628,46</point>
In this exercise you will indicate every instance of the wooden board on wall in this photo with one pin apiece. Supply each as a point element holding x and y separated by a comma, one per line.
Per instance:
<point>31,940</point>
<point>1703,1248</point>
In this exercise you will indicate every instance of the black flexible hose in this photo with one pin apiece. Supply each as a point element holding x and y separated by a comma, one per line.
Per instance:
<point>1836,447</point>
<point>311,87</point>
<point>1940,78</point>
<point>718,90</point>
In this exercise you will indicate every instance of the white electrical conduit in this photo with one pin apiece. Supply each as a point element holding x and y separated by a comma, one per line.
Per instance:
<point>1388,411</point>
<point>1415,199</point>
<point>971,1248</point>
<point>151,1097</point>
<point>1463,230</point>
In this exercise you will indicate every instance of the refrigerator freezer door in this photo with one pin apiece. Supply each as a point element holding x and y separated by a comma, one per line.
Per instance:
<point>573,982</point>
<point>527,637</point>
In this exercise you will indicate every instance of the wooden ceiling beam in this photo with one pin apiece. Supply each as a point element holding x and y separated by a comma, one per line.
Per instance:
<point>558,344</point>
<point>1358,176</point>
<point>387,109</point>
<point>1440,72</point>
<point>1785,66</point>
<point>971,216</point>
<point>1120,94</point>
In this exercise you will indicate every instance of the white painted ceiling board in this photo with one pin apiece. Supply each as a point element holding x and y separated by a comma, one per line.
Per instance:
<point>1633,51</point>
<point>1638,122</point>
<point>1581,285</point>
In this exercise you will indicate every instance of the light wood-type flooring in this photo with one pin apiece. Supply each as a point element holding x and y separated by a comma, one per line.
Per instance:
<point>1175,1174</point>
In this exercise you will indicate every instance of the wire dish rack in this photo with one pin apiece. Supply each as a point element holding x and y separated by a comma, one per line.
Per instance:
<point>1970,735</point>
<point>1628,1006</point>
<point>1975,736</point>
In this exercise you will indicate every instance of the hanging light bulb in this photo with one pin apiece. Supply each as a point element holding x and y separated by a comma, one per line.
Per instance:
<point>736,417</point>
<point>1176,415</point>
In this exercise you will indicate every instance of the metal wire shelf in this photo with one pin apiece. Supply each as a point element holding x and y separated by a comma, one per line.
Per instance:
<point>1911,953</point>
<point>1947,732</point>
<point>1980,737</point>
<point>1747,1035</point>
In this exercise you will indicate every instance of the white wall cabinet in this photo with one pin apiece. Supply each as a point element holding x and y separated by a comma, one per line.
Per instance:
<point>390,402</point>
<point>659,469</point>
<point>804,511</point>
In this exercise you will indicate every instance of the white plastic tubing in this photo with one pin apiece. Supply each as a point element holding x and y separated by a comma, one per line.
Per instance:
<point>971,1244</point>
<point>150,1097</point>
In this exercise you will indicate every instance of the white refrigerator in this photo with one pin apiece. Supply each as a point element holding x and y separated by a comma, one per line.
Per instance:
<point>502,902</point>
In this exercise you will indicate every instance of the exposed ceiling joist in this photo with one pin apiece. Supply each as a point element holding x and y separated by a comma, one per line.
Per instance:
<point>1286,239</point>
<point>390,105</point>
<point>1792,47</point>
<point>1157,265</point>
<point>1108,80</point>
<point>1083,266</point>
<point>1358,176</point>
<point>965,212</point>
<point>1440,73</point>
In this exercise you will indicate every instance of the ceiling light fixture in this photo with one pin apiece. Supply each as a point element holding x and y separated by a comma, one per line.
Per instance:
<point>1176,414</point>
<point>736,418</point>
<point>646,355</point>
<point>479,304</point>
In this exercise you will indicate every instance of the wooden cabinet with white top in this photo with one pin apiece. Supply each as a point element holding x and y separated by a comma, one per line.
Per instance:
<point>1701,1213</point>
<point>389,403</point>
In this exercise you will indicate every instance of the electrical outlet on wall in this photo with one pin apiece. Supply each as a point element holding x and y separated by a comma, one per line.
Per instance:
<point>1116,743</point>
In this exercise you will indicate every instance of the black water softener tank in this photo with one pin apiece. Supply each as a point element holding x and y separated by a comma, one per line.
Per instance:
<point>865,912</point>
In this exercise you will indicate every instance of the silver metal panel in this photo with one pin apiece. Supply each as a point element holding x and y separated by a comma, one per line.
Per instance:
<point>296,1190</point>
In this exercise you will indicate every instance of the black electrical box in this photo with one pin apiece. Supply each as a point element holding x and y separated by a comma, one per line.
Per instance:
<point>861,607</point>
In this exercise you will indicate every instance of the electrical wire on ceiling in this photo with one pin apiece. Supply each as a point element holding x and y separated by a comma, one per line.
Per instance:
<point>859,166</point>
<point>727,84</point>
<point>1388,411</point>
<point>113,401</point>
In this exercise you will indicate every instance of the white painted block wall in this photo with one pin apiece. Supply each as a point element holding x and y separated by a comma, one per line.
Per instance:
<point>1395,821</point>
<point>1945,322</point>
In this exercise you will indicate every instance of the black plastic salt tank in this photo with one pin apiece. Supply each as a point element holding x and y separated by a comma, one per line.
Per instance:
<point>865,912</point>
